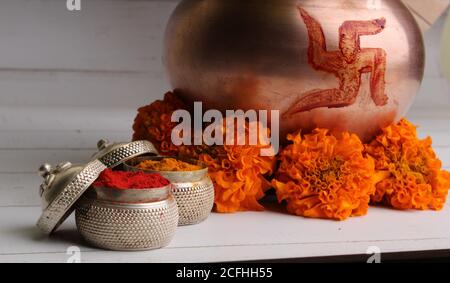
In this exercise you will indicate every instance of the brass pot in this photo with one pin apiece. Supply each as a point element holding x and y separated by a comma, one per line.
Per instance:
<point>343,65</point>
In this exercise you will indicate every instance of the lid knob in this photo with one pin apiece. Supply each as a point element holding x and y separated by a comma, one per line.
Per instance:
<point>48,173</point>
<point>45,169</point>
<point>102,144</point>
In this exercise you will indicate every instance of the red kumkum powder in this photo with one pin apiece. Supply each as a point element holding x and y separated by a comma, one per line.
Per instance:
<point>130,180</point>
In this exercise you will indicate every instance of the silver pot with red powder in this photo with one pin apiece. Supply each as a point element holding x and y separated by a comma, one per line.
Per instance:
<point>110,215</point>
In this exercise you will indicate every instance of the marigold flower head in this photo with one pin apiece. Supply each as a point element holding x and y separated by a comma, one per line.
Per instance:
<point>238,175</point>
<point>153,123</point>
<point>414,177</point>
<point>325,176</point>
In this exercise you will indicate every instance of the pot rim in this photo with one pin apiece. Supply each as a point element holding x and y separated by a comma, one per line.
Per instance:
<point>123,205</point>
<point>130,196</point>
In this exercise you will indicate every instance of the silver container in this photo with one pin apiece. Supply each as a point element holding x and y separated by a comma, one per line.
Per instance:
<point>108,218</point>
<point>126,225</point>
<point>193,190</point>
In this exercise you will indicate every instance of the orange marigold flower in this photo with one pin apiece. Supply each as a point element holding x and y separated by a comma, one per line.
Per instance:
<point>238,174</point>
<point>153,123</point>
<point>325,176</point>
<point>237,170</point>
<point>414,177</point>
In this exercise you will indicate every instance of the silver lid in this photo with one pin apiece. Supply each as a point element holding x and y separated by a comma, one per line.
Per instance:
<point>114,154</point>
<point>62,187</point>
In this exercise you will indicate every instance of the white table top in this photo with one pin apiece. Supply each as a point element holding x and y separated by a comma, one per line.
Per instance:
<point>44,117</point>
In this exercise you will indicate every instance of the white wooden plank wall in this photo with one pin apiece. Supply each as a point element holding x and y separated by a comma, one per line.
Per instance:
<point>63,66</point>
<point>70,78</point>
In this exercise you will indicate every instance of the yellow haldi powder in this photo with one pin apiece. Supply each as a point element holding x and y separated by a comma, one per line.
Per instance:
<point>167,164</point>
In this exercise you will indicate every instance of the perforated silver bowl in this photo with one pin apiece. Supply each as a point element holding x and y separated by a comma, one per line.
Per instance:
<point>193,190</point>
<point>127,226</point>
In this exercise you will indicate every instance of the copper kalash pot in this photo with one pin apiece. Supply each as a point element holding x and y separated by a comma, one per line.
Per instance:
<point>344,65</point>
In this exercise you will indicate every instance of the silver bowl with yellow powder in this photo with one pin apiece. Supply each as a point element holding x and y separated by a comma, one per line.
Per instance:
<point>193,190</point>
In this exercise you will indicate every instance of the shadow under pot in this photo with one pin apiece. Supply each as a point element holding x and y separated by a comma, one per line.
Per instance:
<point>193,190</point>
<point>127,219</point>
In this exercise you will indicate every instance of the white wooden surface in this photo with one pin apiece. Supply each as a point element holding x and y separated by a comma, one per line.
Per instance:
<point>68,79</point>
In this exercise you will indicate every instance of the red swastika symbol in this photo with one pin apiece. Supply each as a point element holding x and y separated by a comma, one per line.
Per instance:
<point>347,64</point>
